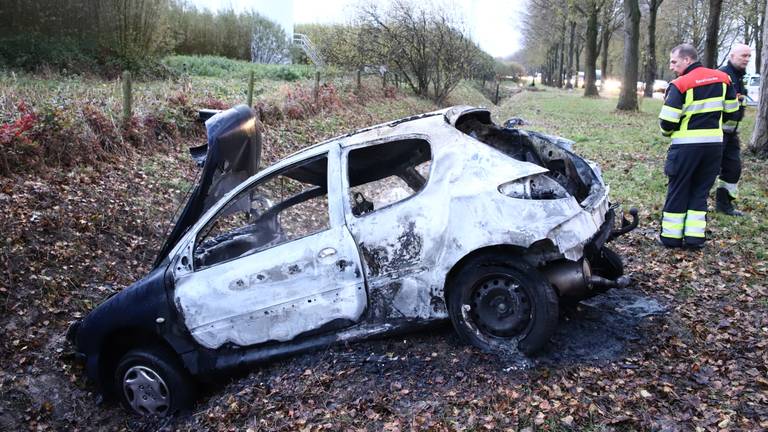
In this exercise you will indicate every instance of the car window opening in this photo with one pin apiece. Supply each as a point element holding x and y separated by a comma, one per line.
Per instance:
<point>384,174</point>
<point>281,208</point>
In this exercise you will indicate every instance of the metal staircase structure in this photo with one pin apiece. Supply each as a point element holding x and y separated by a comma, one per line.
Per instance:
<point>309,49</point>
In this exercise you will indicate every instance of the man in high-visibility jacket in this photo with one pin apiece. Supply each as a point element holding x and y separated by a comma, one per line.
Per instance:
<point>695,105</point>
<point>730,168</point>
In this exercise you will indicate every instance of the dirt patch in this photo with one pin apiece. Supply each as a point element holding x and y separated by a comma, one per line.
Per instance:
<point>603,328</point>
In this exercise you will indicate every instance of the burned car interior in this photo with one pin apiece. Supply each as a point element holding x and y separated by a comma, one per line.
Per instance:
<point>280,208</point>
<point>389,172</point>
<point>530,147</point>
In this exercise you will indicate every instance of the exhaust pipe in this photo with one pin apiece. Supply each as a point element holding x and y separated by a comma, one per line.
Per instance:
<point>574,279</point>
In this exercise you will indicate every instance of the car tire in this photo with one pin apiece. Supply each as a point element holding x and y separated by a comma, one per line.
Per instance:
<point>152,382</point>
<point>498,305</point>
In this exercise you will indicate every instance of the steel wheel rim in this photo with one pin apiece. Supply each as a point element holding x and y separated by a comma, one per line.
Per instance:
<point>500,306</point>
<point>146,391</point>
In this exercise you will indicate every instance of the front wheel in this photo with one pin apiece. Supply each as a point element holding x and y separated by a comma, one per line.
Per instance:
<point>497,305</point>
<point>152,382</point>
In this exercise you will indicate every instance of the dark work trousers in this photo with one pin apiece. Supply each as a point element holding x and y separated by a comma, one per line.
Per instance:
<point>730,171</point>
<point>692,169</point>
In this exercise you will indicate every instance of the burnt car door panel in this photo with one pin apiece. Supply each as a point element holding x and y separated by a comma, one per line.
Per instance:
<point>275,262</point>
<point>393,220</point>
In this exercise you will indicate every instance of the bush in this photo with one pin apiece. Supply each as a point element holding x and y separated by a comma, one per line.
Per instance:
<point>31,52</point>
<point>220,67</point>
<point>300,101</point>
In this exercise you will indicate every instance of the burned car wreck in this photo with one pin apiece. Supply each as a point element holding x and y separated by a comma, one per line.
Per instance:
<point>439,216</point>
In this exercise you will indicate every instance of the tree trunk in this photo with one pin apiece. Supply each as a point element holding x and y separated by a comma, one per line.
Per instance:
<point>591,55</point>
<point>759,36</point>
<point>561,72</point>
<point>605,42</point>
<point>713,27</point>
<point>569,75</point>
<point>559,65</point>
<point>578,57</point>
<point>759,143</point>
<point>650,62</point>
<point>628,96</point>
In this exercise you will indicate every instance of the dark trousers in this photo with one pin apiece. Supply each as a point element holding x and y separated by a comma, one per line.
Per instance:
<point>730,170</point>
<point>692,169</point>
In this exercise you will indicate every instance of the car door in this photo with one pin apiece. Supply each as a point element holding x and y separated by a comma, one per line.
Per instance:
<point>275,262</point>
<point>397,222</point>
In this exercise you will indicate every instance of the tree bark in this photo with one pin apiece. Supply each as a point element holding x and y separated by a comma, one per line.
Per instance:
<point>628,96</point>
<point>713,27</point>
<point>759,31</point>
<point>569,76</point>
<point>605,41</point>
<point>759,142</point>
<point>561,72</point>
<point>590,62</point>
<point>578,58</point>
<point>650,59</point>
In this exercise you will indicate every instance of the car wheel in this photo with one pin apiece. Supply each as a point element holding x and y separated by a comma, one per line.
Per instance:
<point>152,382</point>
<point>497,305</point>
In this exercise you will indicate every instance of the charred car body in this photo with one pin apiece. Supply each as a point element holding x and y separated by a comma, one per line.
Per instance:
<point>442,215</point>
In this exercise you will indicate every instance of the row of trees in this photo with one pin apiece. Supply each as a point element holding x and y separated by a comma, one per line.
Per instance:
<point>428,47</point>
<point>86,34</point>
<point>558,32</point>
<point>712,26</point>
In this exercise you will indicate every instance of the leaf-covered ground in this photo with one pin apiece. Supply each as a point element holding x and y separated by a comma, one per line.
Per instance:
<point>684,348</point>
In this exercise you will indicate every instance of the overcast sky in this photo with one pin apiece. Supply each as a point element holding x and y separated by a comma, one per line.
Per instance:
<point>493,24</point>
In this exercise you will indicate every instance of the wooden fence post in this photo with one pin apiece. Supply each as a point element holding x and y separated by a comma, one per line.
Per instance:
<point>127,102</point>
<point>497,92</point>
<point>359,82</point>
<point>250,90</point>
<point>317,87</point>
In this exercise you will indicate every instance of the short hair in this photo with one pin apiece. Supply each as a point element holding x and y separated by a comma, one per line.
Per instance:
<point>686,50</point>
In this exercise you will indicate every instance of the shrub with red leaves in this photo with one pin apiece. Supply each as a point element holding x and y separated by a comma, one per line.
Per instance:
<point>300,101</point>
<point>16,144</point>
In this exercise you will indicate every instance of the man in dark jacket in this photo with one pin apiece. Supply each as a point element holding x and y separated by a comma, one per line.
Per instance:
<point>730,169</point>
<point>694,107</point>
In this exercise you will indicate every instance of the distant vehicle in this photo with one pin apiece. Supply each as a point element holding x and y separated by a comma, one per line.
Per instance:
<point>752,84</point>
<point>660,86</point>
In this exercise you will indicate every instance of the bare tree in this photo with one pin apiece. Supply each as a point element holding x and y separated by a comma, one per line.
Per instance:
<point>628,96</point>
<point>427,47</point>
<point>591,10</point>
<point>713,28</point>
<point>612,20</point>
<point>650,54</point>
<point>759,143</point>
<point>269,43</point>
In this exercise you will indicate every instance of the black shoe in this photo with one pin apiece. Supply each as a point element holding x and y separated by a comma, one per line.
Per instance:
<point>724,203</point>
<point>669,243</point>
<point>693,246</point>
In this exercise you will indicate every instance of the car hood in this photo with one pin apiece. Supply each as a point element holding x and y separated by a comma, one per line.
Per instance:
<point>231,155</point>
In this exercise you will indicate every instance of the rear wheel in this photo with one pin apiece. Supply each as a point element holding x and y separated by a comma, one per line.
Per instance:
<point>497,305</point>
<point>152,382</point>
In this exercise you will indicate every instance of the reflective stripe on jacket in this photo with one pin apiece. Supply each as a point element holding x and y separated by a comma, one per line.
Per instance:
<point>737,79</point>
<point>696,104</point>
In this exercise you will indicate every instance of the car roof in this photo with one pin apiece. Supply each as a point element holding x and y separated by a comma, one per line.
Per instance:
<point>444,118</point>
